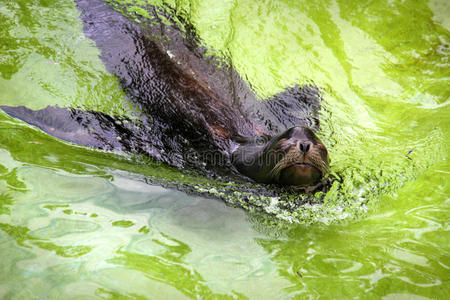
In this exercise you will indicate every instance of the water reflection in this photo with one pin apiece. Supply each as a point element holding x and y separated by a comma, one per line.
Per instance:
<point>379,255</point>
<point>37,68</point>
<point>72,225</point>
<point>179,245</point>
<point>186,244</point>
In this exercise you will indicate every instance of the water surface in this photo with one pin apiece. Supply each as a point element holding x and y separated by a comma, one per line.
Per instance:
<point>80,223</point>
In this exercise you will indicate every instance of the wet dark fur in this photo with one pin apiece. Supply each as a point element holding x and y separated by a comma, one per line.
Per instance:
<point>189,107</point>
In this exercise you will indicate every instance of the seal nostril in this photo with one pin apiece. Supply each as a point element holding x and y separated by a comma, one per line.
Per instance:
<point>304,146</point>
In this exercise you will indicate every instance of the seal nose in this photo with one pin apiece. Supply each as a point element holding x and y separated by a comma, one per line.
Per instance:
<point>304,146</point>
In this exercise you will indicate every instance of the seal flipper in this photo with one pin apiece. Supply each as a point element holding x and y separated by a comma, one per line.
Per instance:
<point>76,126</point>
<point>102,131</point>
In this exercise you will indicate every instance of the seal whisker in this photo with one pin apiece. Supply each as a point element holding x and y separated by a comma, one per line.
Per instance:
<point>291,157</point>
<point>317,161</point>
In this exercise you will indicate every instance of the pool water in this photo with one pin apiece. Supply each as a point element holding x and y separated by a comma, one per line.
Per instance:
<point>81,223</point>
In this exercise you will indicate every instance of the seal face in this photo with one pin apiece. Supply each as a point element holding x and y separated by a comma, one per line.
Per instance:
<point>294,158</point>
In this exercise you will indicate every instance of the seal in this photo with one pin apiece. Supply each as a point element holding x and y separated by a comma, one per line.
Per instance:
<point>295,157</point>
<point>192,110</point>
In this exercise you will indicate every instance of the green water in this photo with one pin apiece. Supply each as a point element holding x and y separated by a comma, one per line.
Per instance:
<point>80,223</point>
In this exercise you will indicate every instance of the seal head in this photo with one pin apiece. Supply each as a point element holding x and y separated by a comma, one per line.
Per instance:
<point>296,157</point>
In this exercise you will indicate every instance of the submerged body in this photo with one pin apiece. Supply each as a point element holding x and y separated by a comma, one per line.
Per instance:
<point>193,113</point>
